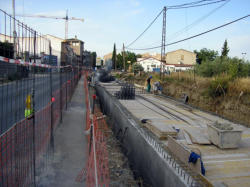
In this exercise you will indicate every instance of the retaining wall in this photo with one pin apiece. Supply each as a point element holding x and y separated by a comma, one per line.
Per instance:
<point>147,158</point>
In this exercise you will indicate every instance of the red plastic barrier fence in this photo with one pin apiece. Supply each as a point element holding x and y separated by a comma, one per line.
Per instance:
<point>24,146</point>
<point>97,171</point>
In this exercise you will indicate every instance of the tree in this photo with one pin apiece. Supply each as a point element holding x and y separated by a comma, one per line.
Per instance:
<point>138,56</point>
<point>93,56</point>
<point>205,55</point>
<point>225,49</point>
<point>6,49</point>
<point>137,67</point>
<point>119,61</point>
<point>114,58</point>
<point>129,56</point>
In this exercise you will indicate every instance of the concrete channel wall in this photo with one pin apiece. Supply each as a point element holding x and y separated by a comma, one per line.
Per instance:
<point>146,156</point>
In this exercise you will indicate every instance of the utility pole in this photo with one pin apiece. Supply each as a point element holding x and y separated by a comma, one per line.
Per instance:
<point>66,25</point>
<point>163,42</point>
<point>14,27</point>
<point>123,57</point>
<point>243,56</point>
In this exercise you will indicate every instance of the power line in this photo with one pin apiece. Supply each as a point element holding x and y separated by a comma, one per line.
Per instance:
<point>196,5</point>
<point>178,33</point>
<point>145,30</point>
<point>190,3</point>
<point>186,5</point>
<point>194,36</point>
<point>196,22</point>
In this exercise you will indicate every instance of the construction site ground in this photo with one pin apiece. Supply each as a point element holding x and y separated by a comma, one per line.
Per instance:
<point>70,146</point>
<point>166,117</point>
<point>120,173</point>
<point>68,165</point>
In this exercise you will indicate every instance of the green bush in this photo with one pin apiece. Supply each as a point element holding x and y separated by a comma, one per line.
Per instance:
<point>137,67</point>
<point>219,86</point>
<point>233,67</point>
<point>117,75</point>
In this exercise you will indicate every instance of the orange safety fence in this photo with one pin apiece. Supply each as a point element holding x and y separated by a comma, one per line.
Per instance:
<point>97,171</point>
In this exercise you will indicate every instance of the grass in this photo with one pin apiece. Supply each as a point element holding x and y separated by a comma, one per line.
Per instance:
<point>214,86</point>
<point>240,85</point>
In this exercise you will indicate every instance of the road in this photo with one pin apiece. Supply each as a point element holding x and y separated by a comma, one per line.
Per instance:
<point>13,96</point>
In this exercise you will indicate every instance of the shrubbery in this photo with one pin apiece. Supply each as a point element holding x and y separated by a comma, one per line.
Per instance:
<point>136,67</point>
<point>219,86</point>
<point>223,70</point>
<point>232,67</point>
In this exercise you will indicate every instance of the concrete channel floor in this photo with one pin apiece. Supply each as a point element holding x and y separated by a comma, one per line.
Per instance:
<point>70,146</point>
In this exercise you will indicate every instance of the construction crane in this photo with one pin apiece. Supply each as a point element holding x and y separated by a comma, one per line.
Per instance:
<point>55,17</point>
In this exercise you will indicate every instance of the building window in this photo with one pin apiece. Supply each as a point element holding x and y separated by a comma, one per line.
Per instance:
<point>153,65</point>
<point>182,57</point>
<point>75,44</point>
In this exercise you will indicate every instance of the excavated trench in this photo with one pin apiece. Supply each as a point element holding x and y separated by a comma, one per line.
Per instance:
<point>120,172</point>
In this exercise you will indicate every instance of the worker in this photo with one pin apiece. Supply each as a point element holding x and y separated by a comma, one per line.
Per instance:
<point>157,88</point>
<point>148,83</point>
<point>28,113</point>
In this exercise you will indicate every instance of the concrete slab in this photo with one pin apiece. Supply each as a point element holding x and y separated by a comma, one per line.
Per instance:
<point>228,167</point>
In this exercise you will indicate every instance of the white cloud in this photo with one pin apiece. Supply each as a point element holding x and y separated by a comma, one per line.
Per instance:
<point>59,13</point>
<point>133,12</point>
<point>135,3</point>
<point>136,11</point>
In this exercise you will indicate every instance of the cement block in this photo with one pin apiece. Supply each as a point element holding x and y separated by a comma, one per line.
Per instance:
<point>224,138</point>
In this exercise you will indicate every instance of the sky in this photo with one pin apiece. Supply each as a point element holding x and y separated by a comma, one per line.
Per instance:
<point>120,21</point>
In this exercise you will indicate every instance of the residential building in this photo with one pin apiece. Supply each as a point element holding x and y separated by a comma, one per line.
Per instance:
<point>155,55</point>
<point>149,64</point>
<point>77,46</point>
<point>56,43</point>
<point>107,57</point>
<point>152,64</point>
<point>25,46</point>
<point>181,56</point>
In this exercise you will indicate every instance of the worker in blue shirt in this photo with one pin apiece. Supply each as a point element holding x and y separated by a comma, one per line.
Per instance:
<point>148,83</point>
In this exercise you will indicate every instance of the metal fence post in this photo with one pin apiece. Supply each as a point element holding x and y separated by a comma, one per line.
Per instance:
<point>33,113</point>
<point>16,146</point>
<point>51,106</point>
<point>60,77</point>
<point>66,90</point>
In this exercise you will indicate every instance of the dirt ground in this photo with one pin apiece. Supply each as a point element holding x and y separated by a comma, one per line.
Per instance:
<point>233,105</point>
<point>120,173</point>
